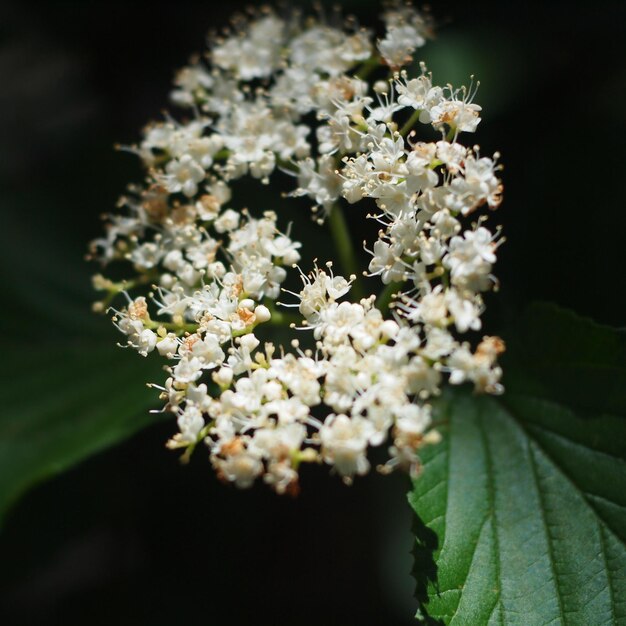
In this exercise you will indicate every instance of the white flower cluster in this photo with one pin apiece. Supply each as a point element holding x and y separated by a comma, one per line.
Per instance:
<point>337,108</point>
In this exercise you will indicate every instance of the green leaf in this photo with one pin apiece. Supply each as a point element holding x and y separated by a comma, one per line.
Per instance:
<point>522,507</point>
<point>69,391</point>
<point>65,403</point>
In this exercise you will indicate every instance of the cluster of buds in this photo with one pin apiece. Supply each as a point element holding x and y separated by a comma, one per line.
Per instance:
<point>341,111</point>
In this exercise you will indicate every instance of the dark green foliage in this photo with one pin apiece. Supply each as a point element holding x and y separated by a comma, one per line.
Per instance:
<point>527,493</point>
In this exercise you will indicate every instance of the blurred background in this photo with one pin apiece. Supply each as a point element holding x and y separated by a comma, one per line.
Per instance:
<point>132,537</point>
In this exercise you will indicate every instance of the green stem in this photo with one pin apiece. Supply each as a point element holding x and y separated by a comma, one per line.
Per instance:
<point>445,279</point>
<point>368,67</point>
<point>343,244</point>
<point>222,155</point>
<point>408,125</point>
<point>385,297</point>
<point>113,289</point>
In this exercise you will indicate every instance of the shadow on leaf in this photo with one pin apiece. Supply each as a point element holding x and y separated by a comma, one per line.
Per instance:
<point>425,569</point>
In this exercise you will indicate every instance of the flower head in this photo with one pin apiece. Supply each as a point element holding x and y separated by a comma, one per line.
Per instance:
<point>337,109</point>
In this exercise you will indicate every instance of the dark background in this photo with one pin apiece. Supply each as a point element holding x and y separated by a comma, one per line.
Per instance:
<point>130,536</point>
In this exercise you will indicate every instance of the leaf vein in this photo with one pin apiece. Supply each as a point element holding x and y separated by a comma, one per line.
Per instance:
<point>546,528</point>
<point>608,574</point>
<point>480,532</point>
<point>491,494</point>
<point>561,471</point>
<point>576,444</point>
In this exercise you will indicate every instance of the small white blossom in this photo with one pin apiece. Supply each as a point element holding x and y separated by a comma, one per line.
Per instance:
<point>254,54</point>
<point>167,346</point>
<point>188,370</point>
<point>183,175</point>
<point>227,221</point>
<point>190,422</point>
<point>241,469</point>
<point>344,441</point>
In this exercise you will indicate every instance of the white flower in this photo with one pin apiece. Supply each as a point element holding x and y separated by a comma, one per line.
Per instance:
<point>167,346</point>
<point>282,477</point>
<point>356,176</point>
<point>242,469</point>
<point>319,291</point>
<point>209,205</point>
<point>386,261</point>
<point>146,256</point>
<point>452,155</point>
<point>328,49</point>
<point>192,83</point>
<point>465,311</point>
<point>190,423</point>
<point>223,377</point>
<point>422,379</point>
<point>254,54</point>
<point>300,375</point>
<point>277,443</point>
<point>208,350</point>
<point>430,309</point>
<point>197,395</point>
<point>183,175</point>
<point>146,342</point>
<point>470,259</point>
<point>439,343</point>
<point>344,441</point>
<point>284,248</point>
<point>460,115</point>
<point>419,93</point>
<point>412,421</point>
<point>319,181</point>
<point>420,174</point>
<point>399,44</point>
<point>479,185</point>
<point>187,370</point>
<point>240,359</point>
<point>338,321</point>
<point>227,221</point>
